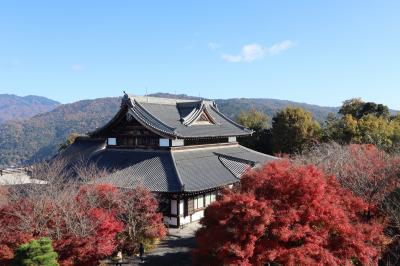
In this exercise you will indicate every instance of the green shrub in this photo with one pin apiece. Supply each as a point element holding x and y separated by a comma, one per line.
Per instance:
<point>36,253</point>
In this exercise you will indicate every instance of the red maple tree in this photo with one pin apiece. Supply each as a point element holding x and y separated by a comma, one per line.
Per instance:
<point>136,209</point>
<point>290,215</point>
<point>84,225</point>
<point>364,169</point>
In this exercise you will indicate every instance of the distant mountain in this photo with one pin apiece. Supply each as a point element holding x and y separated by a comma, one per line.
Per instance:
<point>37,138</point>
<point>232,107</point>
<point>13,107</point>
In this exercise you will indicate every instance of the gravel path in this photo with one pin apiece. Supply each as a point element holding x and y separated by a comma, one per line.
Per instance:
<point>174,250</point>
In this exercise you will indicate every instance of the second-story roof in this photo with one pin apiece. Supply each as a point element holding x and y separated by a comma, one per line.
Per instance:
<point>174,118</point>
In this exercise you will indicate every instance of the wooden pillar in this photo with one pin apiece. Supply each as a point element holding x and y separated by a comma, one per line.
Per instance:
<point>178,212</point>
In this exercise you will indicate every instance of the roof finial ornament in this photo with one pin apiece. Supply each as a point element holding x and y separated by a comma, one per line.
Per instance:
<point>126,101</point>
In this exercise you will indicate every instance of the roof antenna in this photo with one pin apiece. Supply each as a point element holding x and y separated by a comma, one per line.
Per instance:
<point>176,99</point>
<point>147,95</point>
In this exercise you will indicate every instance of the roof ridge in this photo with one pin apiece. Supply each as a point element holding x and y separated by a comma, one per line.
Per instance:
<point>231,121</point>
<point>177,172</point>
<point>257,152</point>
<point>162,100</point>
<point>230,170</point>
<point>233,158</point>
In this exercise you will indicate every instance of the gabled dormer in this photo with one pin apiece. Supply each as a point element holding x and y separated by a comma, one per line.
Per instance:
<point>152,122</point>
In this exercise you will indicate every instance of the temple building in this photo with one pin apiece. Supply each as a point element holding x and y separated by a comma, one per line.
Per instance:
<point>184,151</point>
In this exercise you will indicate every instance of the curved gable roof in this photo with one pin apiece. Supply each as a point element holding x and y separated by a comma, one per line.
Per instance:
<point>175,118</point>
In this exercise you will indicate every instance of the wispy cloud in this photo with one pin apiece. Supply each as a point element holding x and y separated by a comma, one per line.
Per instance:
<point>213,45</point>
<point>231,58</point>
<point>77,67</point>
<point>277,48</point>
<point>255,51</point>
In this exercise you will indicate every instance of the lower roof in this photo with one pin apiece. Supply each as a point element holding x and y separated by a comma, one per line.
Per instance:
<point>184,170</point>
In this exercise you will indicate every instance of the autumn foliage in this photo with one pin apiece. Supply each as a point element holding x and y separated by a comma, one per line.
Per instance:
<point>367,171</point>
<point>136,209</point>
<point>289,215</point>
<point>84,226</point>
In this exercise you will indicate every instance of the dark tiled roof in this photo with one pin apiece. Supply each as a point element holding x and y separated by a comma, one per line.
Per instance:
<point>82,149</point>
<point>174,118</point>
<point>169,114</point>
<point>154,170</point>
<point>203,168</point>
<point>236,167</point>
<point>180,170</point>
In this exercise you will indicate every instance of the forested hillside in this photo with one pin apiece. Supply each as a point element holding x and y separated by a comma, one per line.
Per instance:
<point>232,107</point>
<point>13,107</point>
<point>37,138</point>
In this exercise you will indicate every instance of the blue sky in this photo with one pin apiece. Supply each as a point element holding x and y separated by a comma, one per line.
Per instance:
<point>319,52</point>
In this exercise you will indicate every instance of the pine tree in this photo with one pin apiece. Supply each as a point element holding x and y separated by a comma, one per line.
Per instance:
<point>36,253</point>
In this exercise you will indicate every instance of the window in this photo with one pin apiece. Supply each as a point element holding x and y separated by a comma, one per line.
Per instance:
<point>164,206</point>
<point>112,141</point>
<point>213,197</point>
<point>208,199</point>
<point>190,205</point>
<point>200,201</point>
<point>164,142</point>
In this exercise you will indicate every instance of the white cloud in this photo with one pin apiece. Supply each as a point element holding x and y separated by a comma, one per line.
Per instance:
<point>280,47</point>
<point>255,51</point>
<point>78,67</point>
<point>231,58</point>
<point>252,52</point>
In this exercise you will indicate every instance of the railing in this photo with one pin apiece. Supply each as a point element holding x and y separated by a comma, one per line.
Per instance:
<point>7,171</point>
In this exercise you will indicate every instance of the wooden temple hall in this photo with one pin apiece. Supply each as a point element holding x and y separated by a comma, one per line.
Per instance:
<point>184,151</point>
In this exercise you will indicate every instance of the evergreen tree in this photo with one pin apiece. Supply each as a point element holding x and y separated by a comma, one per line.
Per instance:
<point>253,119</point>
<point>358,109</point>
<point>293,129</point>
<point>36,253</point>
<point>257,121</point>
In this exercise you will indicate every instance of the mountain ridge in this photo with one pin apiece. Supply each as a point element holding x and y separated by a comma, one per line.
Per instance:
<point>13,107</point>
<point>27,141</point>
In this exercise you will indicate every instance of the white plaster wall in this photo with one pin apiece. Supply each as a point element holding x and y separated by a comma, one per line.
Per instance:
<point>197,215</point>
<point>177,142</point>
<point>181,206</point>
<point>213,197</point>
<point>208,199</point>
<point>174,207</point>
<point>171,220</point>
<point>200,201</point>
<point>185,220</point>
